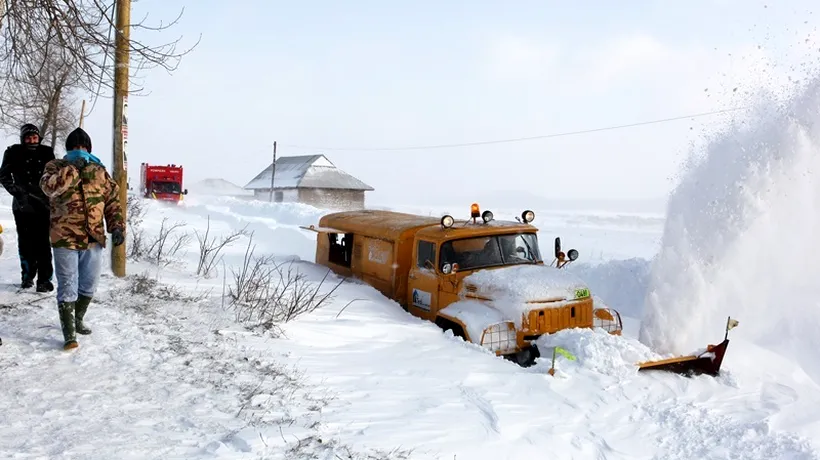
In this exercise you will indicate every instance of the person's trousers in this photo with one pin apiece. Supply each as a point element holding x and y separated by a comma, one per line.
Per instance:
<point>78,272</point>
<point>34,245</point>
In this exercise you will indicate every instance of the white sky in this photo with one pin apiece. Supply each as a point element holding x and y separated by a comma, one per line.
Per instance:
<point>393,74</point>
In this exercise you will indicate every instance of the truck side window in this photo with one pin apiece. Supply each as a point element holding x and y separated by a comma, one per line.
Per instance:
<point>426,253</point>
<point>341,249</point>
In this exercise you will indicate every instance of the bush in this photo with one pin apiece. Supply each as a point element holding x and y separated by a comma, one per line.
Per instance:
<point>265,293</point>
<point>209,249</point>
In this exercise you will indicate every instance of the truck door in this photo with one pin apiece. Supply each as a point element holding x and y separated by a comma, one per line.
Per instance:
<point>423,282</point>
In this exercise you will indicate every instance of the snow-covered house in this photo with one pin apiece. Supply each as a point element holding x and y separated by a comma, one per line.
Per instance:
<point>310,179</point>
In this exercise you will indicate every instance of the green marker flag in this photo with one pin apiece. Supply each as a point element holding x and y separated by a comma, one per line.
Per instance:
<point>565,353</point>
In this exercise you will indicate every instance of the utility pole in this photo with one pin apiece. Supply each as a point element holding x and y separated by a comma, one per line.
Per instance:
<point>120,135</point>
<point>272,172</point>
<point>82,112</point>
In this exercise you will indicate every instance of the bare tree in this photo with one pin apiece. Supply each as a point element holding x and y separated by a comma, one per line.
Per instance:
<point>81,33</point>
<point>44,95</point>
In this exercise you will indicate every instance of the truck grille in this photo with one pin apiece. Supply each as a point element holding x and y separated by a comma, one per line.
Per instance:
<point>550,320</point>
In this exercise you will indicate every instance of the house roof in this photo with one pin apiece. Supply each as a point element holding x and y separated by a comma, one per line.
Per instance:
<point>306,171</point>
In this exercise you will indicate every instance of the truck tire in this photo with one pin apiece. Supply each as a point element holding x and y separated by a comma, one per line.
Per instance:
<point>526,357</point>
<point>447,325</point>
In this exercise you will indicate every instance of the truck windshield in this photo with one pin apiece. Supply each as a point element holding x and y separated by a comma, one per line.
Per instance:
<point>165,187</point>
<point>488,251</point>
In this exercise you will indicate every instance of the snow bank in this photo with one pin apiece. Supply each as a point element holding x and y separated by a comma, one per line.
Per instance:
<point>597,351</point>
<point>741,239</point>
<point>275,225</point>
<point>280,213</point>
<point>217,186</point>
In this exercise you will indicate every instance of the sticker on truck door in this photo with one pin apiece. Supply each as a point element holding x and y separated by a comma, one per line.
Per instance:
<point>422,299</point>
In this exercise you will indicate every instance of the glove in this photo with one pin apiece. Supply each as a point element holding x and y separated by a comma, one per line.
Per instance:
<point>117,237</point>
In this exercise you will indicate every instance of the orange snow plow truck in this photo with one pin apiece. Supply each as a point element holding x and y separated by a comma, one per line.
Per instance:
<point>481,278</point>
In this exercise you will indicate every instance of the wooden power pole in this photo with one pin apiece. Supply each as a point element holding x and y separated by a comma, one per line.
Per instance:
<point>272,172</point>
<point>120,134</point>
<point>82,114</point>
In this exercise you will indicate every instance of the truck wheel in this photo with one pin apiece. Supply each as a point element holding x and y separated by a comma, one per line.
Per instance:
<point>447,325</point>
<point>526,357</point>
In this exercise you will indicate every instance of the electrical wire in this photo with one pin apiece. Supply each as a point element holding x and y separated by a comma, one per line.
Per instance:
<point>519,139</point>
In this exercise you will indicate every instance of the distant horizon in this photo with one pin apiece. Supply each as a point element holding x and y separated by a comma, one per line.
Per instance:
<point>498,199</point>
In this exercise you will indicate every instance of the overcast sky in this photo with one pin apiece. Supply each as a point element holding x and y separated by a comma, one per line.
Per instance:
<point>394,74</point>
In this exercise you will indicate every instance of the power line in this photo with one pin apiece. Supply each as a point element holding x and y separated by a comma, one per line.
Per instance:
<point>520,139</point>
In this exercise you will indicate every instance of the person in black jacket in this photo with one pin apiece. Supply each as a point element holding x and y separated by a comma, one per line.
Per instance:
<point>20,173</point>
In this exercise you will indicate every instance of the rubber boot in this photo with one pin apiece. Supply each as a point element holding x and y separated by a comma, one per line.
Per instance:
<point>79,312</point>
<point>67,324</point>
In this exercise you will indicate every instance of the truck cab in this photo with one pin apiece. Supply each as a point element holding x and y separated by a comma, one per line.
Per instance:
<point>162,183</point>
<point>483,279</point>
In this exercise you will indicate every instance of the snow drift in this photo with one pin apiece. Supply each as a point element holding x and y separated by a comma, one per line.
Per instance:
<point>740,239</point>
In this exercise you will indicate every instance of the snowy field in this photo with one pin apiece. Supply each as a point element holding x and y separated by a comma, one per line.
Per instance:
<point>174,370</point>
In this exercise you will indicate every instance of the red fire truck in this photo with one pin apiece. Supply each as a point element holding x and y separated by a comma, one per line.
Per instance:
<point>162,182</point>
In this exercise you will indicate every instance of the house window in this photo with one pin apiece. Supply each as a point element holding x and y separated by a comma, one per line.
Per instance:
<point>426,256</point>
<point>341,249</point>
<point>278,196</point>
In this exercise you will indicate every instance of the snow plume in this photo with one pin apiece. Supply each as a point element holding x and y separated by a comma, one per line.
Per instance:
<point>621,282</point>
<point>741,239</point>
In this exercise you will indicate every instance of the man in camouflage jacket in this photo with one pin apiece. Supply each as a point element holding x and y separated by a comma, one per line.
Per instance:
<point>82,195</point>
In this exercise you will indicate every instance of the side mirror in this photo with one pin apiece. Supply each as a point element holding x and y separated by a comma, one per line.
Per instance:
<point>557,247</point>
<point>572,254</point>
<point>185,192</point>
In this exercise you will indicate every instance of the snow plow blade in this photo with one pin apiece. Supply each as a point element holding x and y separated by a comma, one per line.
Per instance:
<point>708,362</point>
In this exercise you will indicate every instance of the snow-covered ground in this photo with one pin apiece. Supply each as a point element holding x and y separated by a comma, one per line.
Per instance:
<point>171,372</point>
<point>174,370</point>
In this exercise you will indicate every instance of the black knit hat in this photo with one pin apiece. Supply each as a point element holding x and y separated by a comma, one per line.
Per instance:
<point>27,130</point>
<point>78,137</point>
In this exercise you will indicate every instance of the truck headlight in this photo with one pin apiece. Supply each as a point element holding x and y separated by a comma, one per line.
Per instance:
<point>500,337</point>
